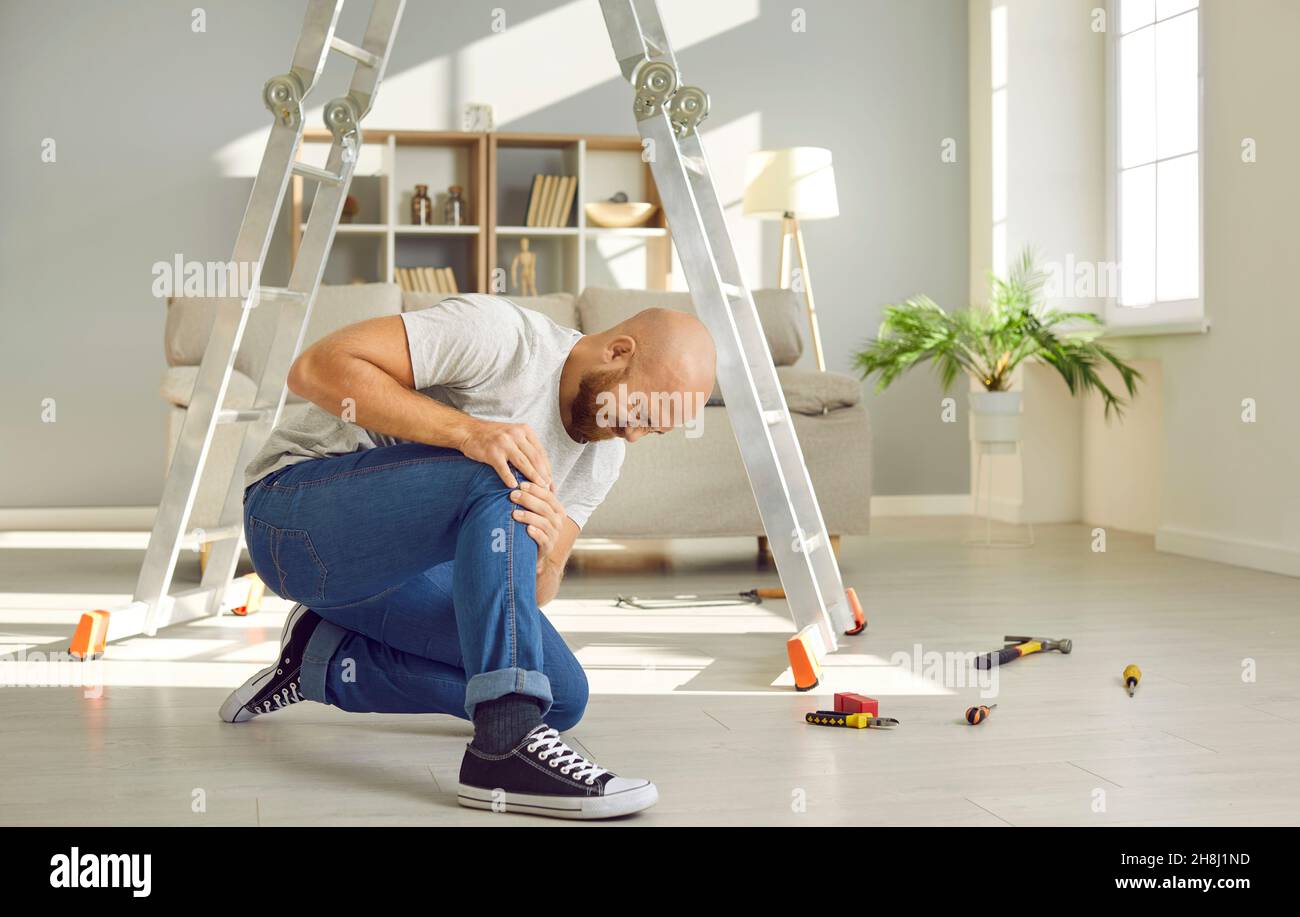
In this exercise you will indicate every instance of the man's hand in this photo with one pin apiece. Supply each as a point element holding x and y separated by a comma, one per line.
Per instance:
<point>504,444</point>
<point>539,509</point>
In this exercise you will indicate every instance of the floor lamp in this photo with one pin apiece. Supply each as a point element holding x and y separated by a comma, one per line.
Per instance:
<point>794,184</point>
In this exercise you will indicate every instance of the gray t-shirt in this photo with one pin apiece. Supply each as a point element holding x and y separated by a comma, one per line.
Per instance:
<point>492,359</point>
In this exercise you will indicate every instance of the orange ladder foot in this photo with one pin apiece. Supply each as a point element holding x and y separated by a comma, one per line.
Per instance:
<point>859,618</point>
<point>256,589</point>
<point>88,641</point>
<point>803,653</point>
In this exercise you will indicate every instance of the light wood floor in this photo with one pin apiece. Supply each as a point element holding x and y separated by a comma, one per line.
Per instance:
<point>698,700</point>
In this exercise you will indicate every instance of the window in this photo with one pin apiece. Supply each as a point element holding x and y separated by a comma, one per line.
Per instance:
<point>1156,118</point>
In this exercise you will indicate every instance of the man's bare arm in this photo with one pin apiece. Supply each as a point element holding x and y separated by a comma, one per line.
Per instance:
<point>365,370</point>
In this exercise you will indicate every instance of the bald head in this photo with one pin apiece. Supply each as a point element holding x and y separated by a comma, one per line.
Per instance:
<point>656,369</point>
<point>673,352</point>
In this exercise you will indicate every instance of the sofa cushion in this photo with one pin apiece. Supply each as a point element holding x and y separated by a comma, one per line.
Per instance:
<point>808,391</point>
<point>560,308</point>
<point>653,498</point>
<point>178,387</point>
<point>779,311</point>
<point>189,322</point>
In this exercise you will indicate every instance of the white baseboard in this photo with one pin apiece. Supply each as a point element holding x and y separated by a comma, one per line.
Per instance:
<point>78,519</point>
<point>1003,509</point>
<point>921,505</point>
<point>1271,558</point>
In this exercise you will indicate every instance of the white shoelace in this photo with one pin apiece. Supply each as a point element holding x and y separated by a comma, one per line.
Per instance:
<point>282,698</point>
<point>557,754</point>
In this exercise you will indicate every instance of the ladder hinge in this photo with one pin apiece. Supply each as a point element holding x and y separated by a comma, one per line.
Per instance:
<point>283,96</point>
<point>654,81</point>
<point>686,109</point>
<point>342,117</point>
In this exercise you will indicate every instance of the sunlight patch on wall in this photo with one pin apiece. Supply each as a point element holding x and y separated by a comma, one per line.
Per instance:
<point>534,64</point>
<point>728,145</point>
<point>564,52</point>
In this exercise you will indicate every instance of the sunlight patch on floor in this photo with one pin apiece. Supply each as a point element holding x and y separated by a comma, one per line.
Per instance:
<point>260,653</point>
<point>600,616</point>
<point>864,674</point>
<point>639,669</point>
<point>165,649</point>
<point>90,676</point>
<point>45,607</point>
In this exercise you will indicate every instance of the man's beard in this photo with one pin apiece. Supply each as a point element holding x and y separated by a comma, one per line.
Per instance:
<point>582,413</point>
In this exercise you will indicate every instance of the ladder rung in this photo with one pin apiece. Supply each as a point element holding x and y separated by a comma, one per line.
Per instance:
<point>220,533</point>
<point>321,175</point>
<point>733,291</point>
<point>244,415</point>
<point>281,293</point>
<point>772,418</point>
<point>358,54</point>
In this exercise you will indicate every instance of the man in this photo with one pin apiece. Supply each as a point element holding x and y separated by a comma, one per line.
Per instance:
<point>423,509</point>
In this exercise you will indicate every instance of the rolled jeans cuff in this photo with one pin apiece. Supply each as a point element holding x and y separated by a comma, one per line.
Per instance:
<point>321,646</point>
<point>487,686</point>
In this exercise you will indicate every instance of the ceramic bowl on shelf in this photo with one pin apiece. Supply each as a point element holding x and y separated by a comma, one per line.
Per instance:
<point>616,215</point>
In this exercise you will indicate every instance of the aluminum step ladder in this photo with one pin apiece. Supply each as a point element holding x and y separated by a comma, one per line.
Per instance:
<point>668,115</point>
<point>153,605</point>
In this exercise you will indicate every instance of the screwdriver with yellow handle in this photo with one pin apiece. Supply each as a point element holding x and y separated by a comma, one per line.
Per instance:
<point>1132,675</point>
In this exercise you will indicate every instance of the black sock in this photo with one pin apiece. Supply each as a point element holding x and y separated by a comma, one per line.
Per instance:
<point>500,724</point>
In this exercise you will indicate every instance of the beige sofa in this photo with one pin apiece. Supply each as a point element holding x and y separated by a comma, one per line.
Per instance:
<point>671,486</point>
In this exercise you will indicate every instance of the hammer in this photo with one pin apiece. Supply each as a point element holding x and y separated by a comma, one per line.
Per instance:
<point>1021,646</point>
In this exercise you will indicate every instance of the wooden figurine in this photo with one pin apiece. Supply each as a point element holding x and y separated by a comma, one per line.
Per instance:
<point>523,270</point>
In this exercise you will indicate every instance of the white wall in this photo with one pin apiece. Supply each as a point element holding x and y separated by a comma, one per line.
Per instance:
<point>1216,486</point>
<point>1232,489</point>
<point>1054,134</point>
<point>1054,137</point>
<point>1121,461</point>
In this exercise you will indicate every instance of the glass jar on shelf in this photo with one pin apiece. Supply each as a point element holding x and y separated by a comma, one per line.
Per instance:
<point>453,211</point>
<point>421,206</point>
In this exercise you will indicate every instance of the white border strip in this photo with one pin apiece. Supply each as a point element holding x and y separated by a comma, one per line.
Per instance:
<point>921,505</point>
<point>78,519</point>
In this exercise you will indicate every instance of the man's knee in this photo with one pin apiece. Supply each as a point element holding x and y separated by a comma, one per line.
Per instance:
<point>570,701</point>
<point>490,499</point>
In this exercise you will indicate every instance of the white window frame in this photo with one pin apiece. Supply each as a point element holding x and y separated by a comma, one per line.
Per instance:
<point>1187,315</point>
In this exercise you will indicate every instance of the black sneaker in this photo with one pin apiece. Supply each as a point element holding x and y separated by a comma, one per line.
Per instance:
<point>543,776</point>
<point>276,686</point>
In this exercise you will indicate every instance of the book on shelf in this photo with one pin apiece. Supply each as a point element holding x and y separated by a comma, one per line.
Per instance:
<point>550,201</point>
<point>534,199</point>
<point>570,190</point>
<point>427,279</point>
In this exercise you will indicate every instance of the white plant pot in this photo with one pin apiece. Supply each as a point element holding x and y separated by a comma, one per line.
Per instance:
<point>995,421</point>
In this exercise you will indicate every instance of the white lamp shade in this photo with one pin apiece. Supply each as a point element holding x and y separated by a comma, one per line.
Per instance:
<point>798,180</point>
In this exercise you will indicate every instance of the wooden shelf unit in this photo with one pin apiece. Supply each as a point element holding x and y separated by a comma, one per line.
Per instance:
<point>494,169</point>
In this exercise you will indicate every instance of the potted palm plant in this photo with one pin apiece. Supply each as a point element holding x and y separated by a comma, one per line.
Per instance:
<point>988,343</point>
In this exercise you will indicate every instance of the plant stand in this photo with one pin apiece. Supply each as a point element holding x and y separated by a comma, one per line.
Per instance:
<point>984,483</point>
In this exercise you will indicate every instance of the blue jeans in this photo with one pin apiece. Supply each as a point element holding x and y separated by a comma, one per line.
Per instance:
<point>426,584</point>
